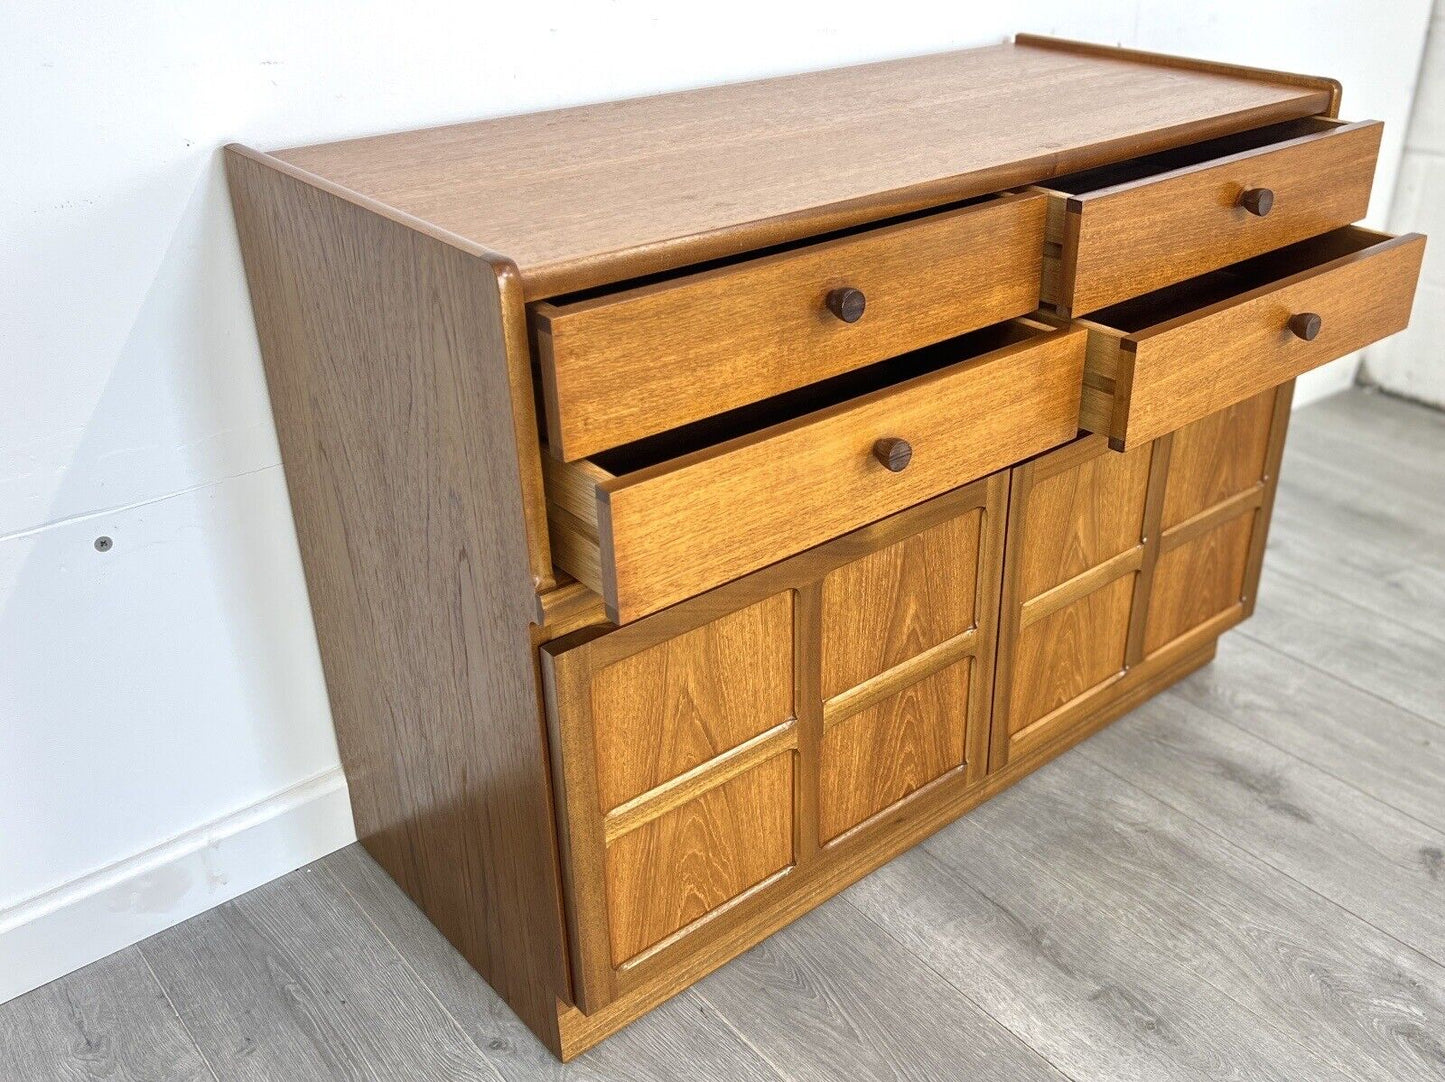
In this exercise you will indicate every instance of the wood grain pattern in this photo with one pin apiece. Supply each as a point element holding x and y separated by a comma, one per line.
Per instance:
<point>700,174</point>
<point>829,1000</point>
<point>673,530</point>
<point>1173,925</point>
<point>1138,236</point>
<point>110,1021</point>
<point>697,780</point>
<point>1198,580</point>
<point>1217,457</point>
<point>682,646</point>
<point>291,981</point>
<point>668,708</point>
<point>898,602</point>
<point>387,357</point>
<point>854,855</point>
<point>1314,827</point>
<point>1192,365</point>
<point>1082,539</point>
<point>691,347</point>
<point>875,758</point>
<point>1079,518</point>
<point>1069,652</point>
<point>683,1029</point>
<point>688,862</point>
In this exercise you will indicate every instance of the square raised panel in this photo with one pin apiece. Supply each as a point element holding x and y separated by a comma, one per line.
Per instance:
<point>672,706</point>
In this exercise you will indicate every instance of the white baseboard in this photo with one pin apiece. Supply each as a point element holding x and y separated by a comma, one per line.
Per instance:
<point>77,923</point>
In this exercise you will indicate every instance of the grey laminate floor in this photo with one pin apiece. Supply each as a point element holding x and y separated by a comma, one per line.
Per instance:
<point>1245,878</point>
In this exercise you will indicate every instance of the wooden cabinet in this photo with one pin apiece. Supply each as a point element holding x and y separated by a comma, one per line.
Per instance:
<point>703,754</point>
<point>696,509</point>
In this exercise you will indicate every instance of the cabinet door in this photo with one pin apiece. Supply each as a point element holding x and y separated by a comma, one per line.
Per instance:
<point>1120,559</point>
<point>1073,583</point>
<point>1223,470</point>
<point>708,756</point>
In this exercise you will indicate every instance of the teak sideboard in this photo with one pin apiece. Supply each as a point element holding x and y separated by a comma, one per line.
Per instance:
<point>705,497</point>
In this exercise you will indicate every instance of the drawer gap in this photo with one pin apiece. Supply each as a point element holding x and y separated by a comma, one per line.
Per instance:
<point>1174,301</point>
<point>791,405</point>
<point>578,296</point>
<point>1151,165</point>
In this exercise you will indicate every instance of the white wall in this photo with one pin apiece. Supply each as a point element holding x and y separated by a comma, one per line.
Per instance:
<point>1413,363</point>
<point>164,737</point>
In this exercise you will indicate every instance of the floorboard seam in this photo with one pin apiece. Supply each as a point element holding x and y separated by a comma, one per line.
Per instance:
<point>1244,630</point>
<point>763,1057</point>
<point>1134,783</point>
<point>1433,636</point>
<point>361,908</point>
<point>171,1003</point>
<point>928,965</point>
<point>1297,757</point>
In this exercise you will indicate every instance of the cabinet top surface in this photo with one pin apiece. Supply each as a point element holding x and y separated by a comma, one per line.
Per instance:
<point>595,194</point>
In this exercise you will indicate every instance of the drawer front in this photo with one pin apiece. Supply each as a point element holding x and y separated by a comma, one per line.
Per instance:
<point>1133,238</point>
<point>725,765</point>
<point>1169,374</point>
<point>674,530</point>
<point>624,366</point>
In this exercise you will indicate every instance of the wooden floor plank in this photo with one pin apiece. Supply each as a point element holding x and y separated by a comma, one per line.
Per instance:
<point>684,1029</point>
<point>1379,864</point>
<point>831,997</point>
<point>109,1021</point>
<point>1355,644</point>
<point>1114,858</point>
<point>1413,434</point>
<point>291,981</point>
<point>1100,1003</point>
<point>1315,540</point>
<point>1394,755</point>
<point>1397,445</point>
<point>1359,510</point>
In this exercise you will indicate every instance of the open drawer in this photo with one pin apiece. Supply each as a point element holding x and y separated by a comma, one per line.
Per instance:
<point>1125,229</point>
<point>1160,361</point>
<point>619,365</point>
<point>651,523</point>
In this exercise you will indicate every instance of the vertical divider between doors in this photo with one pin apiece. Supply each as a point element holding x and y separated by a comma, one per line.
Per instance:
<point>1020,480</point>
<point>989,593</point>
<point>1149,537</point>
<point>808,711</point>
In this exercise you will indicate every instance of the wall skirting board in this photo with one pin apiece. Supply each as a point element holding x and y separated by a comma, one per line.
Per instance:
<point>88,918</point>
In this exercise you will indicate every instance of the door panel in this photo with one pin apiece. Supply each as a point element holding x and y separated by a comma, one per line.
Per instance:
<point>876,757</point>
<point>1069,653</point>
<point>896,603</point>
<point>692,859</point>
<point>1199,580</point>
<point>1223,471</point>
<point>667,708</point>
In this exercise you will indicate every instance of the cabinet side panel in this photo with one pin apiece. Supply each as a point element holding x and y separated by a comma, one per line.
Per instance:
<point>385,357</point>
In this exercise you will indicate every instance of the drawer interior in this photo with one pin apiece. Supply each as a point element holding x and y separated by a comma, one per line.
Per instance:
<point>753,418</point>
<point>1166,161</point>
<point>1181,299</point>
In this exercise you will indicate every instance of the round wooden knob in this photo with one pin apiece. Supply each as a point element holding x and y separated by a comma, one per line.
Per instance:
<point>847,304</point>
<point>1306,325</point>
<point>1258,201</point>
<point>894,453</point>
